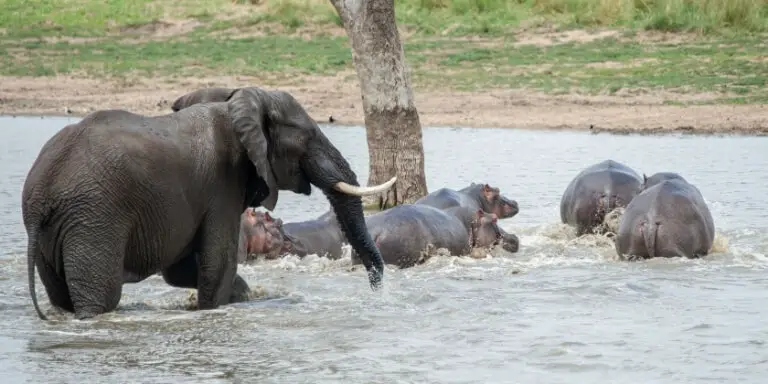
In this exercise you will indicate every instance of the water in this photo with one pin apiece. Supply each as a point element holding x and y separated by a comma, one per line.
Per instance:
<point>562,310</point>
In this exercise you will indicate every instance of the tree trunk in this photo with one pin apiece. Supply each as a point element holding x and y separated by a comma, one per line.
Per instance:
<point>391,120</point>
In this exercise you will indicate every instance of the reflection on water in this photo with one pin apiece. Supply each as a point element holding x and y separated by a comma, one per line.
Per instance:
<point>563,309</point>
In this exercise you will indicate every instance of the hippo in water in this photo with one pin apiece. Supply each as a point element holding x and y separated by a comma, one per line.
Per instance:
<point>321,236</point>
<point>259,235</point>
<point>405,232</point>
<point>669,218</point>
<point>205,95</point>
<point>477,196</point>
<point>595,192</point>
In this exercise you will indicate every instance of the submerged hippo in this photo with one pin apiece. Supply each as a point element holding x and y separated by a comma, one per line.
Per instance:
<point>405,232</point>
<point>668,219</point>
<point>259,235</point>
<point>205,95</point>
<point>477,196</point>
<point>321,236</point>
<point>596,191</point>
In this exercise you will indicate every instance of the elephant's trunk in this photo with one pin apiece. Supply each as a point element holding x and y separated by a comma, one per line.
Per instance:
<point>349,214</point>
<point>327,169</point>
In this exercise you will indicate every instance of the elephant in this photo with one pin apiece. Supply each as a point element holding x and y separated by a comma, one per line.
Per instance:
<point>669,218</point>
<point>595,192</point>
<point>406,232</point>
<point>200,96</point>
<point>118,197</point>
<point>478,196</point>
<point>259,235</point>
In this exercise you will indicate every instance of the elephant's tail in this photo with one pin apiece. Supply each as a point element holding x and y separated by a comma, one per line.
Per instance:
<point>33,250</point>
<point>650,230</point>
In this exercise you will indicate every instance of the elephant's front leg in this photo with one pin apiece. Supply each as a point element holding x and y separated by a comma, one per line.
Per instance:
<point>183,274</point>
<point>217,261</point>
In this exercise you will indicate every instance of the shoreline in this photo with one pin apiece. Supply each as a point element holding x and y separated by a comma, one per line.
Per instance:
<point>338,96</point>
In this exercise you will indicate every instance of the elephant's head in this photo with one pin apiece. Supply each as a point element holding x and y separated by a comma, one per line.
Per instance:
<point>493,201</point>
<point>290,152</point>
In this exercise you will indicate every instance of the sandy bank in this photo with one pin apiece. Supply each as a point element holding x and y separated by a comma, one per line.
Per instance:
<point>340,97</point>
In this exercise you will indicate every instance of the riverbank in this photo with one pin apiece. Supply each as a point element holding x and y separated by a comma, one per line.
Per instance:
<point>511,66</point>
<point>339,97</point>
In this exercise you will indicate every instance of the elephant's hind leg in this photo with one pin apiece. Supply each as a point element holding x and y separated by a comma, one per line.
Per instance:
<point>183,274</point>
<point>93,267</point>
<point>55,286</point>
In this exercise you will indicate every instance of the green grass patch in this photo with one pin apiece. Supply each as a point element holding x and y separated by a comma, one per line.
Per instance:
<point>288,38</point>
<point>36,18</point>
<point>735,70</point>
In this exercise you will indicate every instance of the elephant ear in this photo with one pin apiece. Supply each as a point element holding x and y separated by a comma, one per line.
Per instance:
<point>205,95</point>
<point>247,110</point>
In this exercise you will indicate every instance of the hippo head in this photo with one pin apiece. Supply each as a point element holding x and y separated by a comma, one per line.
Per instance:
<point>260,233</point>
<point>658,177</point>
<point>287,242</point>
<point>493,201</point>
<point>485,230</point>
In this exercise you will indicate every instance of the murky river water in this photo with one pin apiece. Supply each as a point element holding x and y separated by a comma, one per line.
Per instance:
<point>562,310</point>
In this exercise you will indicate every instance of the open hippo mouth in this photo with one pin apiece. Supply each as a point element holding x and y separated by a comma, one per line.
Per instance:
<point>481,236</point>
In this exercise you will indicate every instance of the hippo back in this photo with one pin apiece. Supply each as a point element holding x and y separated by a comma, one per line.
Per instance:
<point>403,232</point>
<point>446,198</point>
<point>320,236</point>
<point>676,214</point>
<point>596,190</point>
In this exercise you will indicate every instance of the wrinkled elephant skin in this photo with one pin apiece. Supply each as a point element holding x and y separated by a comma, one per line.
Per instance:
<point>405,232</point>
<point>595,192</point>
<point>118,197</point>
<point>668,219</point>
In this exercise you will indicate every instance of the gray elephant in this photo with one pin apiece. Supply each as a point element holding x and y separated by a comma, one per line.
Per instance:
<point>259,236</point>
<point>478,196</point>
<point>668,219</point>
<point>406,232</point>
<point>200,96</point>
<point>595,192</point>
<point>118,197</point>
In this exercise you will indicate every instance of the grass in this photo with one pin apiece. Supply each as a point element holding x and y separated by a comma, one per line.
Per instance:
<point>723,49</point>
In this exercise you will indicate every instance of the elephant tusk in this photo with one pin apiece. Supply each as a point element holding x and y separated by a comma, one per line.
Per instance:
<point>364,191</point>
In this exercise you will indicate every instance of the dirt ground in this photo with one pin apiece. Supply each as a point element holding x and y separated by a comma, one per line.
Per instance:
<point>339,97</point>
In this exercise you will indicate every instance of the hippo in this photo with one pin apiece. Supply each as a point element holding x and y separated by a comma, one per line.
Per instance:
<point>259,235</point>
<point>321,236</point>
<point>595,192</point>
<point>405,232</point>
<point>478,196</point>
<point>669,218</point>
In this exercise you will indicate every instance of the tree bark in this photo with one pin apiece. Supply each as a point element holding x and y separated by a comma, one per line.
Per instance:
<point>392,122</point>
